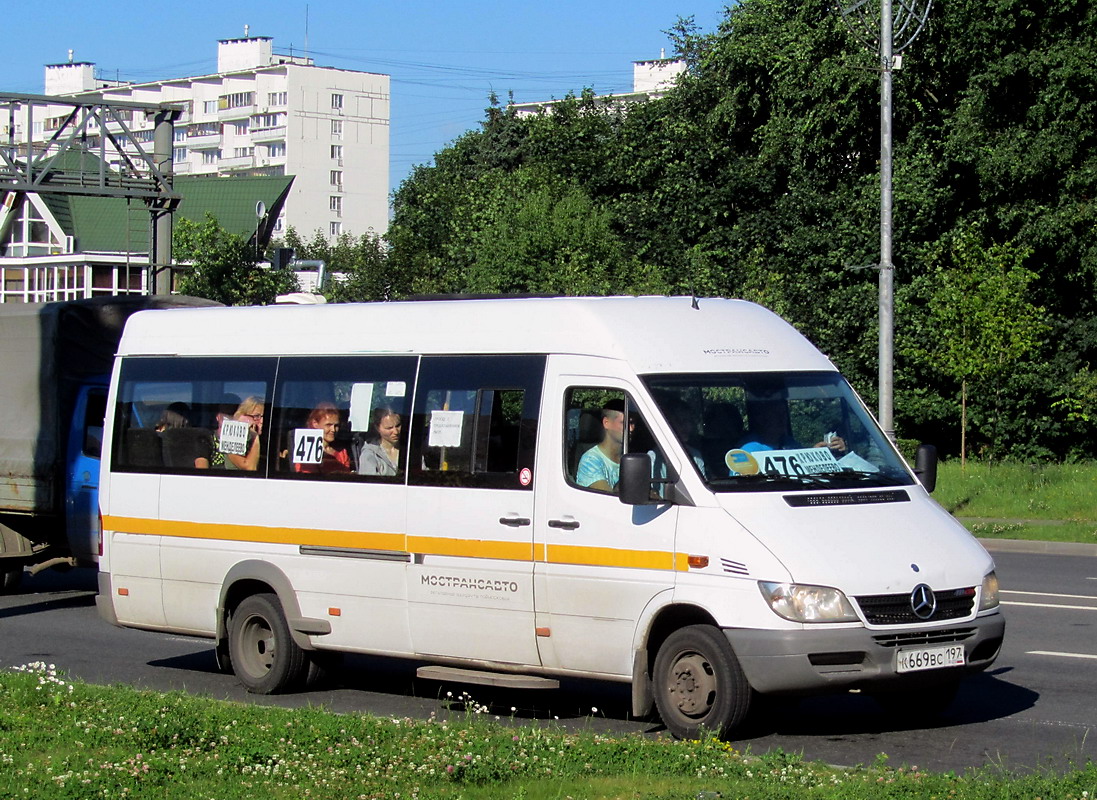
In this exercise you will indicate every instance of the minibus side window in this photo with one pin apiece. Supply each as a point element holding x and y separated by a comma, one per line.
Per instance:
<point>596,434</point>
<point>475,421</point>
<point>342,418</point>
<point>170,412</point>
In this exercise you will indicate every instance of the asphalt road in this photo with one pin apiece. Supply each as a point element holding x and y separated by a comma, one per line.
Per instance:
<point>1035,708</point>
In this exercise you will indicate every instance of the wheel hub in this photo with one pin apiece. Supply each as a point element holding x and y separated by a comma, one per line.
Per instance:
<point>694,686</point>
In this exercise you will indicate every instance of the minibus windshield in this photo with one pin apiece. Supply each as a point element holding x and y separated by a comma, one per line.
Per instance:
<point>777,431</point>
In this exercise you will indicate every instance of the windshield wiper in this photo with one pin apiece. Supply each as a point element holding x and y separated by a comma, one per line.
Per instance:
<point>861,475</point>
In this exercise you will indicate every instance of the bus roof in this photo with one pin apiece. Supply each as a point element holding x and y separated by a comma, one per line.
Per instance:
<point>653,334</point>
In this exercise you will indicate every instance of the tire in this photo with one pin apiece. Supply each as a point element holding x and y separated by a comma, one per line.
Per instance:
<point>264,656</point>
<point>698,684</point>
<point>10,578</point>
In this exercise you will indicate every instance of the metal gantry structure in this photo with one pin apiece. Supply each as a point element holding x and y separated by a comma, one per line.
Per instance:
<point>93,132</point>
<point>886,28</point>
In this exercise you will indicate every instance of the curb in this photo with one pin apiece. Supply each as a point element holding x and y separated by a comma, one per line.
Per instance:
<point>1039,548</point>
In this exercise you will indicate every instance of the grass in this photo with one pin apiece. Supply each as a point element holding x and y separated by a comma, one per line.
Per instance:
<point>73,740</point>
<point>1045,502</point>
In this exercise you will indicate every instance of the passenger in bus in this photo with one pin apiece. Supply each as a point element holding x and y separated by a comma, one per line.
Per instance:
<point>769,427</point>
<point>176,415</point>
<point>336,459</point>
<point>182,447</point>
<point>380,454</point>
<point>600,466</point>
<point>251,411</point>
<point>225,410</point>
<point>769,430</point>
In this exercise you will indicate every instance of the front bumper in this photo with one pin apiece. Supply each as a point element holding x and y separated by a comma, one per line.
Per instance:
<point>810,661</point>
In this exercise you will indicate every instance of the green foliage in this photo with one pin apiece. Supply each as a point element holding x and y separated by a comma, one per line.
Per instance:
<point>361,261</point>
<point>757,176</point>
<point>982,321</point>
<point>61,740</point>
<point>223,266</point>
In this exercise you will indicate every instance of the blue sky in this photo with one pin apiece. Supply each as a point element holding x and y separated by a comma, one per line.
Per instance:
<point>445,58</point>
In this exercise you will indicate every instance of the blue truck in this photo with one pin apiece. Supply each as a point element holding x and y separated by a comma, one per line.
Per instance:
<point>55,362</point>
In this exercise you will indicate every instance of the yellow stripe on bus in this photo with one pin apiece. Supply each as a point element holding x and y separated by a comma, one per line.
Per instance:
<point>400,543</point>
<point>257,533</point>
<point>614,557</point>
<point>471,548</point>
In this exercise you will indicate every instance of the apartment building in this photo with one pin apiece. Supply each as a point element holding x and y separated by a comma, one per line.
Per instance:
<point>651,79</point>
<point>267,114</point>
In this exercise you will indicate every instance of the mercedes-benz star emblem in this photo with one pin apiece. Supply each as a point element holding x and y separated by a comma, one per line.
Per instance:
<point>923,602</point>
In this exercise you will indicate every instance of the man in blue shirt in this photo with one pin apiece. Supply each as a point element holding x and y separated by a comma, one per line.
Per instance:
<point>600,466</point>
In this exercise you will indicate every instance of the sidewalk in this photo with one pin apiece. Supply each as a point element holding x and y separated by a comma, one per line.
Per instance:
<point>1049,548</point>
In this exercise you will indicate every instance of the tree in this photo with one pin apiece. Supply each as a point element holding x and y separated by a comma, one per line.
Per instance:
<point>223,266</point>
<point>983,322</point>
<point>359,263</point>
<point>757,176</point>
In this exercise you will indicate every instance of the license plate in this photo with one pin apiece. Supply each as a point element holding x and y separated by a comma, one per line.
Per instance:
<point>919,658</point>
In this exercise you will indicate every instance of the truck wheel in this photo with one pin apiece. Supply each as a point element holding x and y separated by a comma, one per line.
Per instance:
<point>10,578</point>
<point>264,656</point>
<point>698,684</point>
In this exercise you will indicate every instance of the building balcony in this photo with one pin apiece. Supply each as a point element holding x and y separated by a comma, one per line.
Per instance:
<point>236,162</point>
<point>208,141</point>
<point>269,134</point>
<point>181,167</point>
<point>239,112</point>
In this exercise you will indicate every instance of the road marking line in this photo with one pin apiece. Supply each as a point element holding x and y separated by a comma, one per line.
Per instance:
<point>1048,605</point>
<point>1051,594</point>
<point>1063,655</point>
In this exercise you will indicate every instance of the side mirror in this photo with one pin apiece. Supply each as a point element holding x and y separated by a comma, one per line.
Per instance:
<point>634,485</point>
<point>925,466</point>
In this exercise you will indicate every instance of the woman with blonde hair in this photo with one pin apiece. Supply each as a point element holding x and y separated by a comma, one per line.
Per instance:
<point>250,411</point>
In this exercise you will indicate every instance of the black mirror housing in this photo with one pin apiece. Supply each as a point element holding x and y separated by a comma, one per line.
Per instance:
<point>634,486</point>
<point>925,466</point>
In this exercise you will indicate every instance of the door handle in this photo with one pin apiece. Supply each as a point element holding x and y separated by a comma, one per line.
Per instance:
<point>514,522</point>
<point>565,524</point>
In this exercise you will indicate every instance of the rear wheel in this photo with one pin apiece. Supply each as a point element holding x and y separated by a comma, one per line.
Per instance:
<point>698,683</point>
<point>264,656</point>
<point>11,576</point>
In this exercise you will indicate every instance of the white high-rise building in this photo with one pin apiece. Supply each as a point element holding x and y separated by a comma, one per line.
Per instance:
<point>263,113</point>
<point>650,80</point>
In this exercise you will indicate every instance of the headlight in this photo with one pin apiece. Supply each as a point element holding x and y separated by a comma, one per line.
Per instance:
<point>800,603</point>
<point>988,598</point>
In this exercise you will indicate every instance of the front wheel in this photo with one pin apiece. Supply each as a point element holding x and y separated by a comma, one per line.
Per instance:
<point>698,683</point>
<point>264,656</point>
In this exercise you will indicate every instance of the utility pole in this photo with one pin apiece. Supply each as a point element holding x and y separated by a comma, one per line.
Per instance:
<point>886,28</point>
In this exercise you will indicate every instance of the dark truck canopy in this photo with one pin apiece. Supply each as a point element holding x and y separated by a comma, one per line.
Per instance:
<point>47,351</point>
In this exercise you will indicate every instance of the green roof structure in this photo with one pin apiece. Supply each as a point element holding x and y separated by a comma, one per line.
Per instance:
<point>116,225</point>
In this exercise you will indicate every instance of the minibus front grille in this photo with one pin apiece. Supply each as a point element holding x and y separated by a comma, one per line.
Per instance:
<point>897,609</point>
<point>941,636</point>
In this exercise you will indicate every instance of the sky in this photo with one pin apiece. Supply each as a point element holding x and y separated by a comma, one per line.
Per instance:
<point>444,58</point>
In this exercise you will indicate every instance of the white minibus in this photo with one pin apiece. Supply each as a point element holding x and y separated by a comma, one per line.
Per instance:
<point>680,494</point>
